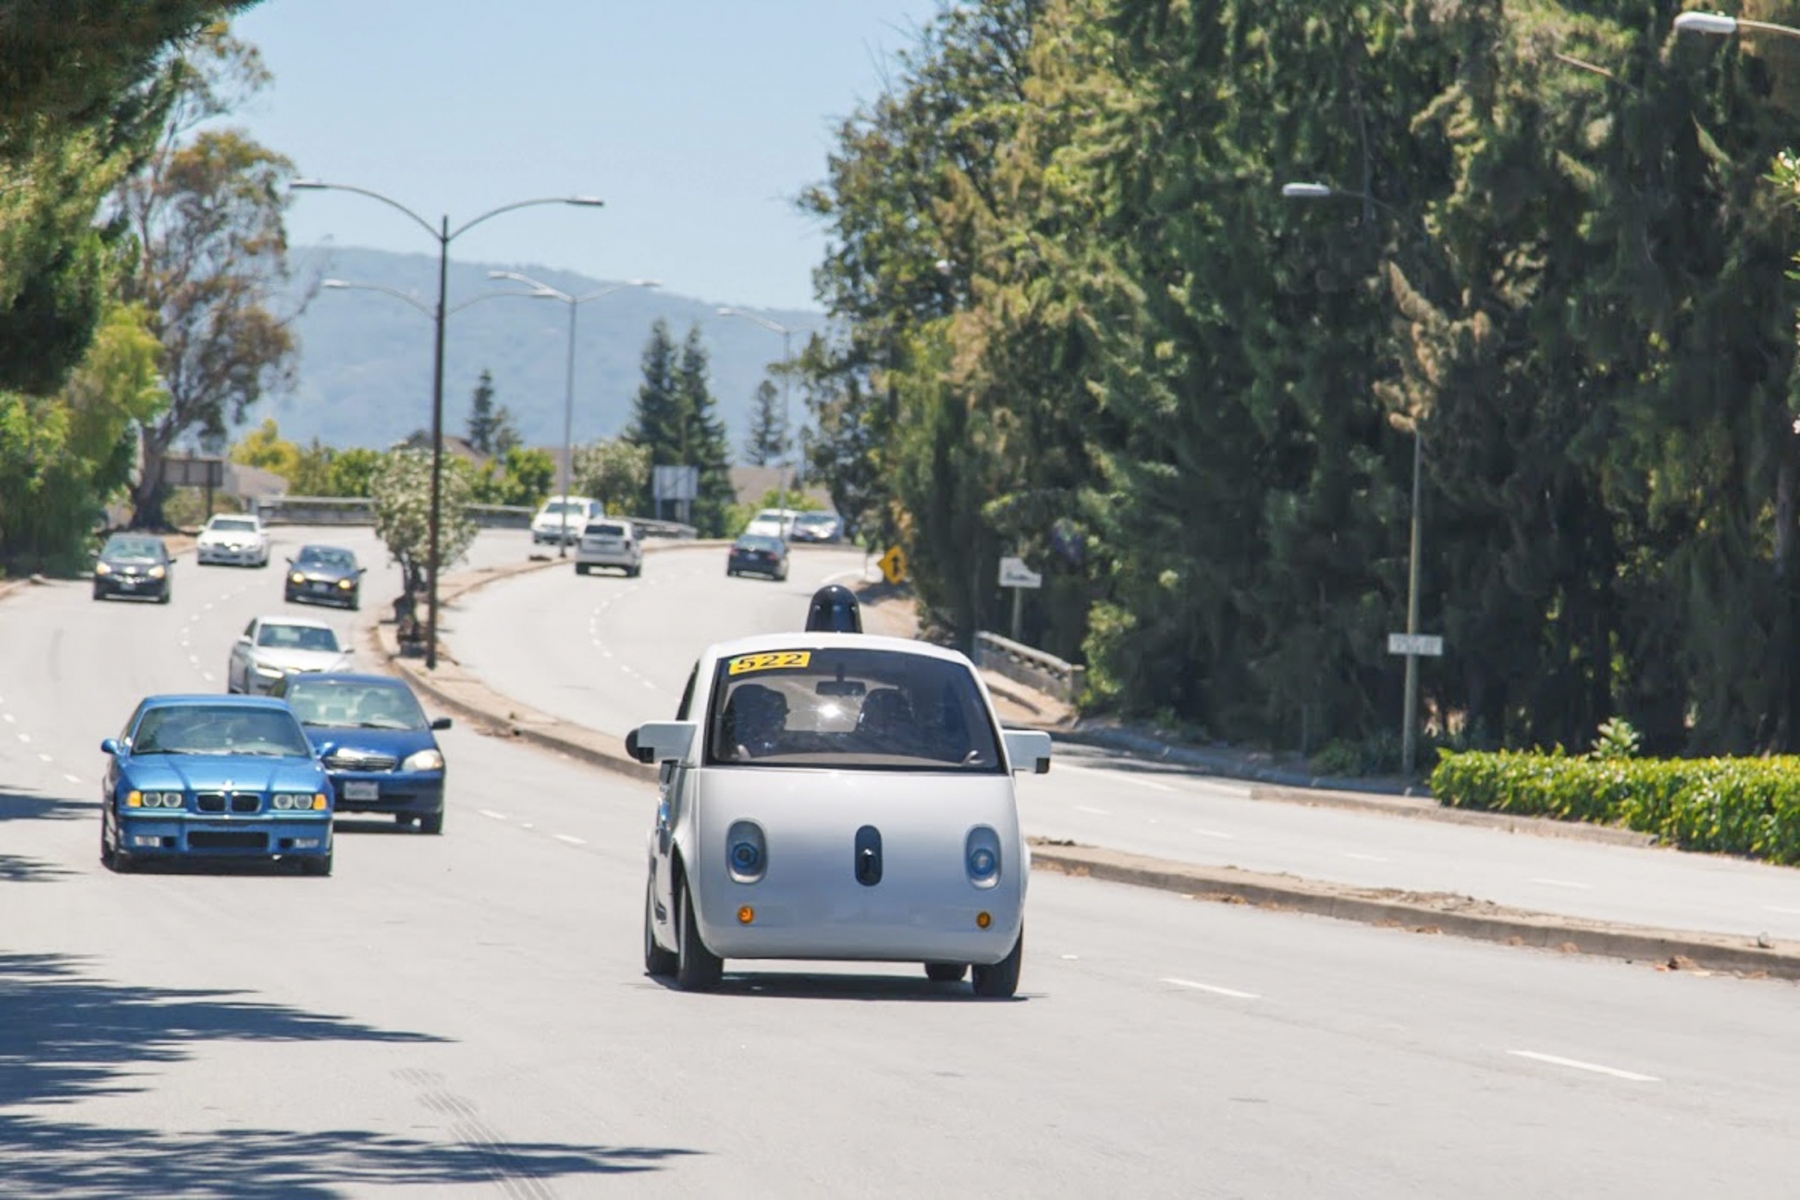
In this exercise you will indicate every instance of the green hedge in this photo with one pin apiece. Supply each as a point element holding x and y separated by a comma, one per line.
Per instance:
<point>1748,806</point>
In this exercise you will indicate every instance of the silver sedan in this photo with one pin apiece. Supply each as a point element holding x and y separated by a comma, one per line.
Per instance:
<point>272,647</point>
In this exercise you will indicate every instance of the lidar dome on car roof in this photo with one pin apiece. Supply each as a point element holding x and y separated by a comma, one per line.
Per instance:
<point>834,610</point>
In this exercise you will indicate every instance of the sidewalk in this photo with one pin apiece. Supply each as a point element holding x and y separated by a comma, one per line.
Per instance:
<point>460,692</point>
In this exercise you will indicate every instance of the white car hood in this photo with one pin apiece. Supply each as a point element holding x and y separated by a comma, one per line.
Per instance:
<point>301,660</point>
<point>228,537</point>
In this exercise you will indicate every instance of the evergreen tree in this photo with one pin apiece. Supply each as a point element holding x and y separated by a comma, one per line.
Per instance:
<point>483,423</point>
<point>656,423</point>
<point>703,439</point>
<point>768,442</point>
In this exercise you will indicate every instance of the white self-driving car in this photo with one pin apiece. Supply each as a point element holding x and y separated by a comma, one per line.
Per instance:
<point>836,796</point>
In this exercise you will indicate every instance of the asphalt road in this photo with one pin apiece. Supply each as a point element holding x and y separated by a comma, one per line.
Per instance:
<point>467,1016</point>
<point>622,650</point>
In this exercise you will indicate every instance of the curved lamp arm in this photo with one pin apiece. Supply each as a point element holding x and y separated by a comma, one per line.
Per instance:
<point>771,326</point>
<point>579,201</point>
<point>321,185</point>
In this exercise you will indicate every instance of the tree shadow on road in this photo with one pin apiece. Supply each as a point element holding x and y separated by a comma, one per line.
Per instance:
<point>20,804</point>
<point>66,1036</point>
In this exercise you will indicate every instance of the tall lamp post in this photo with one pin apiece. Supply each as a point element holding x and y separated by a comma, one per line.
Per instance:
<point>787,363</point>
<point>444,236</point>
<point>1409,719</point>
<point>544,291</point>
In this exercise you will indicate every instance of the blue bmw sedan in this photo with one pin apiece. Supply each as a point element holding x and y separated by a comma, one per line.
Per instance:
<point>218,777</point>
<point>377,743</point>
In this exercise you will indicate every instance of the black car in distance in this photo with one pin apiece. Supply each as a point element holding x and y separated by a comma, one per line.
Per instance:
<point>754,554</point>
<point>324,575</point>
<point>133,564</point>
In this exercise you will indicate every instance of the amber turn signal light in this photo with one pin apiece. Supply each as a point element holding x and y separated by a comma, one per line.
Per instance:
<point>746,915</point>
<point>983,920</point>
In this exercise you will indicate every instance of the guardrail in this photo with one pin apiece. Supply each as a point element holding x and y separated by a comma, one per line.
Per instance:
<point>1030,666</point>
<point>652,528</point>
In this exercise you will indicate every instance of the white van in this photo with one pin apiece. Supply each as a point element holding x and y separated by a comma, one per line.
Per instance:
<point>563,518</point>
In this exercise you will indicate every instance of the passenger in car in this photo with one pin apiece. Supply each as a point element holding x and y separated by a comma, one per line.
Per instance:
<point>754,719</point>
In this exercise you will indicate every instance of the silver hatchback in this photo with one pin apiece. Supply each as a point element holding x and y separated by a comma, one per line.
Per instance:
<point>610,544</point>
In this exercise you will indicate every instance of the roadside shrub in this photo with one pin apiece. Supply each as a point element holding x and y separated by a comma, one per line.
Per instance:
<point>1745,806</point>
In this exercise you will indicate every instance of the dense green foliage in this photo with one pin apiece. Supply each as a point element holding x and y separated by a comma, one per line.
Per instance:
<point>1079,320</point>
<point>675,419</point>
<point>615,472</point>
<point>401,491</point>
<point>1727,805</point>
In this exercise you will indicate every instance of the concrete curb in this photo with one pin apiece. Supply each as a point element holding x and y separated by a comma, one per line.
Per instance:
<point>1454,916</point>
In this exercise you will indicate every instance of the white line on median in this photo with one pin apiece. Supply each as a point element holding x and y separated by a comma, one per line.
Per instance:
<point>1215,990</point>
<point>492,815</point>
<point>1568,883</point>
<point>570,838</point>
<point>1577,1064</point>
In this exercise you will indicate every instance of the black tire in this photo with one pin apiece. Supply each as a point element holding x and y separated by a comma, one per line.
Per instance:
<point>166,596</point>
<point>697,969</point>
<point>581,568</point>
<point>729,573</point>
<point>1001,981</point>
<point>657,961</point>
<point>432,823</point>
<point>319,865</point>
<point>946,972</point>
<point>355,602</point>
<point>633,572</point>
<point>99,595</point>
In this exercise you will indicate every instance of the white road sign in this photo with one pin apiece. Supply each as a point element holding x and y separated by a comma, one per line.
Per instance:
<point>1015,574</point>
<point>1428,645</point>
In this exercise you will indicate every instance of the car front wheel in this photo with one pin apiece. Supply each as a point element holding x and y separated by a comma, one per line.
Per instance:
<point>1000,981</point>
<point>697,969</point>
<point>946,972</point>
<point>432,822</point>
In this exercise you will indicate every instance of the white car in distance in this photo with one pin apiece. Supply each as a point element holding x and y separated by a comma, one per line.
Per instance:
<point>271,647</point>
<point>233,538</point>
<point>610,543</point>
<point>773,522</point>
<point>835,796</point>
<point>562,518</point>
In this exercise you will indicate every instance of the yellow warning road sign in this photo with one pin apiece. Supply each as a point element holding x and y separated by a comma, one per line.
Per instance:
<point>893,565</point>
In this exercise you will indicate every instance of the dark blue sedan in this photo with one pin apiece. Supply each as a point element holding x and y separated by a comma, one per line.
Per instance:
<point>377,743</point>
<point>219,777</point>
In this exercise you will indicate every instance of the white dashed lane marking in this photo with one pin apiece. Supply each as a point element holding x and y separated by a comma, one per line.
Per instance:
<point>1575,1063</point>
<point>1214,833</point>
<point>493,816</point>
<point>72,778</point>
<point>1364,857</point>
<point>1233,993</point>
<point>42,757</point>
<point>571,839</point>
<point>25,737</point>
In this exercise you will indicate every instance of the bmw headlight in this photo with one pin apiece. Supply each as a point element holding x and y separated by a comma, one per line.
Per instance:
<point>297,801</point>
<point>423,760</point>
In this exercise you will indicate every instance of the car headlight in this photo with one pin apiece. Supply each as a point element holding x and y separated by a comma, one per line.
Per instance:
<point>271,672</point>
<point>296,577</point>
<point>345,584</point>
<point>423,760</point>
<point>746,854</point>
<point>157,572</point>
<point>981,854</point>
<point>102,569</point>
<point>298,801</point>
<point>135,799</point>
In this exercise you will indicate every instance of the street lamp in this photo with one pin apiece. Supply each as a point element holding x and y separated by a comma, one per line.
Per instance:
<point>1409,723</point>
<point>1720,25</point>
<point>787,364</point>
<point>444,235</point>
<point>544,291</point>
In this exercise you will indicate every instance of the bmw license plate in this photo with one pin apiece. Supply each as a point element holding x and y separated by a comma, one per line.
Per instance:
<point>357,789</point>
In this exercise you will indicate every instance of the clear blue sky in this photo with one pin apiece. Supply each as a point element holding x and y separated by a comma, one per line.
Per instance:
<point>697,121</point>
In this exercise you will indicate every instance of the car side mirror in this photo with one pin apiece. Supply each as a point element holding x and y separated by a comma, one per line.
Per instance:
<point>1028,750</point>
<point>661,741</point>
<point>325,750</point>
<point>441,723</point>
<point>110,746</point>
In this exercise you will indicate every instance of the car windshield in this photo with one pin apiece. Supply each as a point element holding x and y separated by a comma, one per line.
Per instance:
<point>219,729</point>
<point>557,508</point>
<point>811,519</point>
<point>850,708</point>
<point>752,542</point>
<point>348,704</point>
<point>231,525</point>
<point>296,637</point>
<point>326,556</point>
<point>131,547</point>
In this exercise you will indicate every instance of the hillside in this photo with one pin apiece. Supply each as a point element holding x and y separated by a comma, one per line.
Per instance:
<point>364,370</point>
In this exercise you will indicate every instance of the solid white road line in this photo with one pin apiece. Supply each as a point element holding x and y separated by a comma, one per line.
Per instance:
<point>1217,991</point>
<point>1568,883</point>
<point>492,815</point>
<point>1792,912</point>
<point>1558,1061</point>
<point>570,838</point>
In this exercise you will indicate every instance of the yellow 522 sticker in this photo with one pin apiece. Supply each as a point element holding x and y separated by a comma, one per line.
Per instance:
<point>772,661</point>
